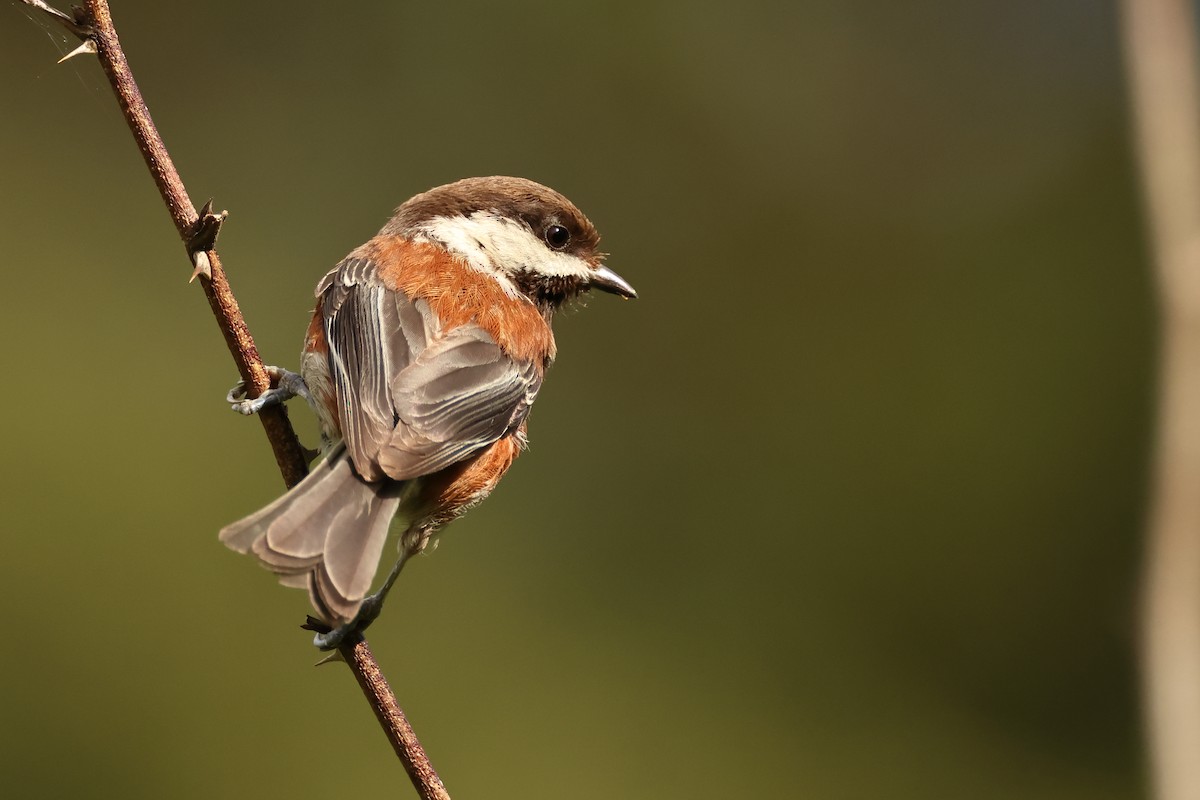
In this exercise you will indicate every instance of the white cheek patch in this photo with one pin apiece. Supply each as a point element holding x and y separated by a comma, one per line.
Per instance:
<point>501,247</point>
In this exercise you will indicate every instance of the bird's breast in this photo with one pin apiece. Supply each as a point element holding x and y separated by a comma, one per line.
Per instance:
<point>449,493</point>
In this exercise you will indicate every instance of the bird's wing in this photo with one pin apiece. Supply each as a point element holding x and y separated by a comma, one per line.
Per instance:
<point>414,398</point>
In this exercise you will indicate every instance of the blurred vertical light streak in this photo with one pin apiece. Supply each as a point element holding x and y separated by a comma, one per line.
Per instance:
<point>1160,53</point>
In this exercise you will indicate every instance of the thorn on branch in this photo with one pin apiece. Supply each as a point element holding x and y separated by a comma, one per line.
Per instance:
<point>203,238</point>
<point>334,657</point>
<point>77,22</point>
<point>88,46</point>
<point>202,266</point>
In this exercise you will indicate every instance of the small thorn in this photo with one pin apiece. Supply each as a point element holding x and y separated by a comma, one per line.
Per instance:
<point>203,266</point>
<point>204,212</point>
<point>88,46</point>
<point>78,23</point>
<point>333,657</point>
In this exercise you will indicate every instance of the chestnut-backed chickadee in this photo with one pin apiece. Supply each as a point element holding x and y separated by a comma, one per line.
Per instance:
<point>426,350</point>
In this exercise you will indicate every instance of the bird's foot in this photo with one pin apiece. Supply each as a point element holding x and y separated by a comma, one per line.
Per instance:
<point>284,386</point>
<point>367,613</point>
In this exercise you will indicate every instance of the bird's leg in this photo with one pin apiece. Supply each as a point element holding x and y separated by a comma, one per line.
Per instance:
<point>368,612</point>
<point>284,386</point>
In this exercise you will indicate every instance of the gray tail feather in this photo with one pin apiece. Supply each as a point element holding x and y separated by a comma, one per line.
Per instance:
<point>326,534</point>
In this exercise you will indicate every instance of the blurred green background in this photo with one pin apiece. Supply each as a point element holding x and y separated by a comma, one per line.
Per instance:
<point>847,505</point>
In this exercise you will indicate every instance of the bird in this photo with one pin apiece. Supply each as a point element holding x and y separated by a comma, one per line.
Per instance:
<point>425,352</point>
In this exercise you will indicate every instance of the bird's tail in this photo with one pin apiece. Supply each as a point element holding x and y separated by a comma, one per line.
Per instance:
<point>326,534</point>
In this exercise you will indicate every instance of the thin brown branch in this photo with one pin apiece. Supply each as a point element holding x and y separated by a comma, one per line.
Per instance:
<point>1160,51</point>
<point>391,718</point>
<point>288,453</point>
<point>93,23</point>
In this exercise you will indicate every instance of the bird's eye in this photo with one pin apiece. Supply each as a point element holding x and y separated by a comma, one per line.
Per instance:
<point>557,237</point>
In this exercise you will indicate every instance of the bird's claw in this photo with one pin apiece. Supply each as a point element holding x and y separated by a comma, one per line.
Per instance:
<point>367,613</point>
<point>284,386</point>
<point>240,403</point>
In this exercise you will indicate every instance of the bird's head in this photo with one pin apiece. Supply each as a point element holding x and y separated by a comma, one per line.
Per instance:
<point>527,237</point>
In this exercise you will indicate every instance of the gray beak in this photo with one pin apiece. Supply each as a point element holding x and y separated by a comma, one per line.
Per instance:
<point>606,280</point>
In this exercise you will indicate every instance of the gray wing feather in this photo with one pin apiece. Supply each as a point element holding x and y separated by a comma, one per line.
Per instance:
<point>360,365</point>
<point>460,395</point>
<point>415,399</point>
